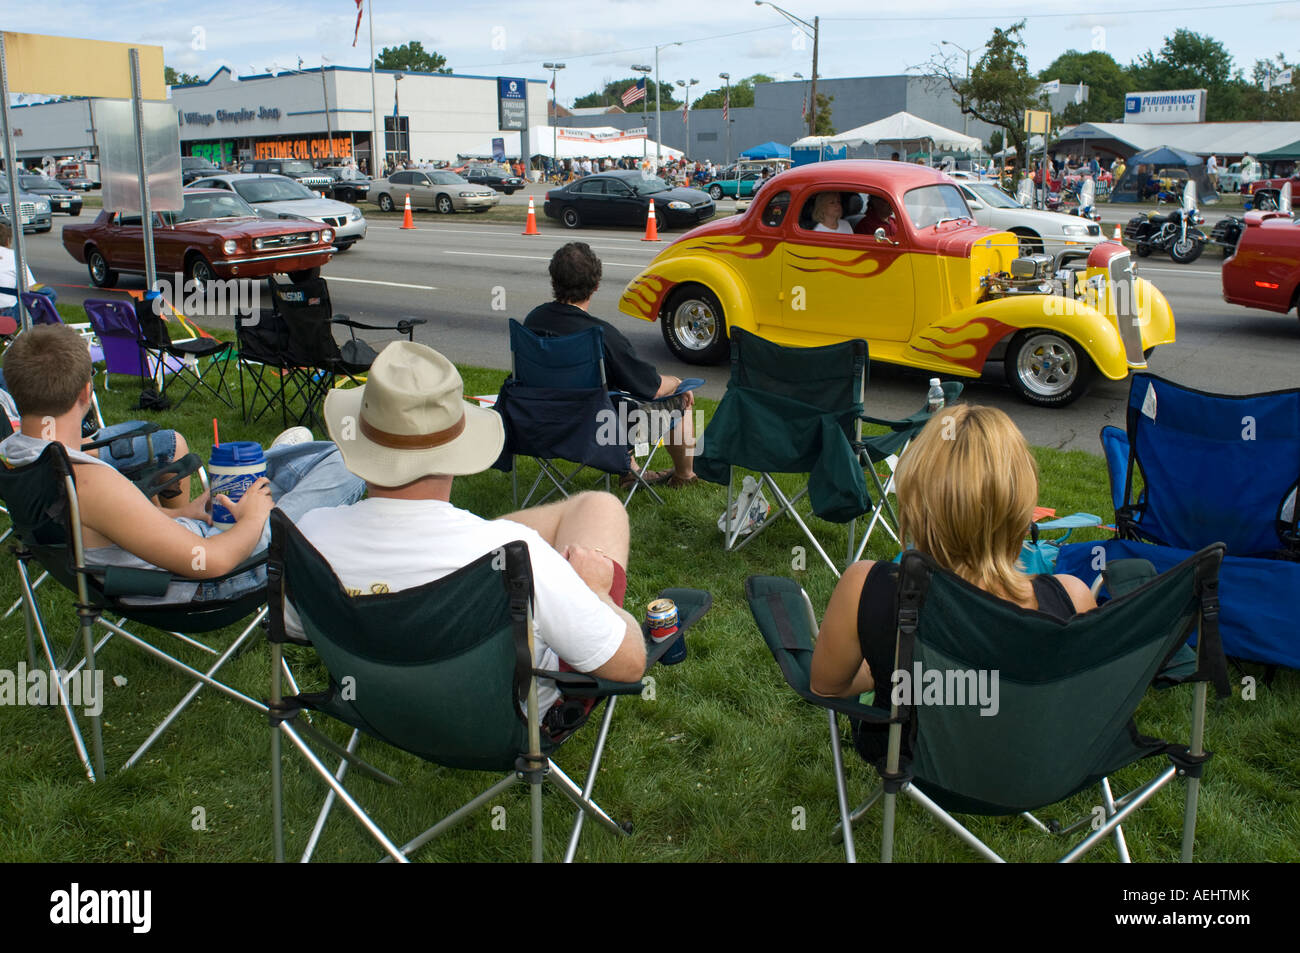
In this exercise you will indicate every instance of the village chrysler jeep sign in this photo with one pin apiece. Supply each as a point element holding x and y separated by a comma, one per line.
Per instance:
<point>1170,105</point>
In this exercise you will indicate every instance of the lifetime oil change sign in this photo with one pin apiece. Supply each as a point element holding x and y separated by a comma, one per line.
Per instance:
<point>1170,105</point>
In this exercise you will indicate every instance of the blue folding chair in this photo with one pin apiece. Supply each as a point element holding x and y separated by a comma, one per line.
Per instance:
<point>556,405</point>
<point>1194,468</point>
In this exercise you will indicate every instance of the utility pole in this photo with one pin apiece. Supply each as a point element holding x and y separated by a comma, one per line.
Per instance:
<point>809,29</point>
<point>726,112</point>
<point>555,116</point>
<point>659,119</point>
<point>376,141</point>
<point>645,104</point>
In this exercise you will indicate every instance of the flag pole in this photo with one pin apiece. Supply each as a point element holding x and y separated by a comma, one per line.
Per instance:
<point>376,170</point>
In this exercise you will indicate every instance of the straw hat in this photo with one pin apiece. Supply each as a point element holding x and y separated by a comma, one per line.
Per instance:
<point>409,420</point>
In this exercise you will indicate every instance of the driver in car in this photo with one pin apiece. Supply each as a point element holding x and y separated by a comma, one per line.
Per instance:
<point>879,214</point>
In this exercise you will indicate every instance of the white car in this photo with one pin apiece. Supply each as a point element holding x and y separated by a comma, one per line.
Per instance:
<point>1233,179</point>
<point>1048,232</point>
<point>278,196</point>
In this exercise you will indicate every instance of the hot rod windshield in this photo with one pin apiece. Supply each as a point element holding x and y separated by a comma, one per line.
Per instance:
<point>932,204</point>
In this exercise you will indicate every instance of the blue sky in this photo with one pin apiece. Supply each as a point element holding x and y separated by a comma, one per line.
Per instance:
<point>600,40</point>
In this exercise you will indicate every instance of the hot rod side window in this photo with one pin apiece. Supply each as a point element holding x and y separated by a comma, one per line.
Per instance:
<point>774,211</point>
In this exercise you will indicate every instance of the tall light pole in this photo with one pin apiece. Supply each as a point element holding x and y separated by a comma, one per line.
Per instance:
<point>803,116</point>
<point>376,131</point>
<point>726,111</point>
<point>813,30</point>
<point>397,118</point>
<point>645,104</point>
<point>965,118</point>
<point>555,116</point>
<point>659,119</point>
<point>686,113</point>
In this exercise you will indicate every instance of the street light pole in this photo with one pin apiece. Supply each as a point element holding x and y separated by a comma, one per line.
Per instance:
<point>726,111</point>
<point>659,120</point>
<point>555,116</point>
<point>645,104</point>
<point>813,30</point>
<point>687,112</point>
<point>965,117</point>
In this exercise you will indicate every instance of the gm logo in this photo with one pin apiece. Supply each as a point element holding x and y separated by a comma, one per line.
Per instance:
<point>1132,104</point>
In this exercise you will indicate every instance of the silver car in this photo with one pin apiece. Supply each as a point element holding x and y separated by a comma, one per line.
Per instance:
<point>1038,231</point>
<point>278,196</point>
<point>34,209</point>
<point>445,191</point>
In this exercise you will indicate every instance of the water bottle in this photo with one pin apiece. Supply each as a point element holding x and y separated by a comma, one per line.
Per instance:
<point>934,400</point>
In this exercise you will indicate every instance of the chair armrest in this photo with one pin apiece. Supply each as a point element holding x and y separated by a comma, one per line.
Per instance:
<point>127,581</point>
<point>403,326</point>
<point>582,685</point>
<point>156,481</point>
<point>145,428</point>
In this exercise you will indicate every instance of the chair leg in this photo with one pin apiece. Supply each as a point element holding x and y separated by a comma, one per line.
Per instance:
<point>357,811</point>
<point>591,777</point>
<point>330,797</point>
<point>788,506</point>
<point>841,791</point>
<point>1108,802</point>
<point>458,815</point>
<point>96,720</point>
<point>574,794</point>
<point>948,821</point>
<point>858,813</point>
<point>19,601</point>
<point>1197,747</point>
<point>1135,800</point>
<point>194,690</point>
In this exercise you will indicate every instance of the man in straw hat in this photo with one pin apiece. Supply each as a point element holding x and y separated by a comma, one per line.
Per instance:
<point>408,432</point>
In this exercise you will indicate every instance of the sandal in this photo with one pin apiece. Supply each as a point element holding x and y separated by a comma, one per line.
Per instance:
<point>652,477</point>
<point>675,482</point>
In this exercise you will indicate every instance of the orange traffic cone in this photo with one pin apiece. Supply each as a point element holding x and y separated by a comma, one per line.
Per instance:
<point>530,228</point>
<point>1118,236</point>
<point>651,228</point>
<point>407,220</point>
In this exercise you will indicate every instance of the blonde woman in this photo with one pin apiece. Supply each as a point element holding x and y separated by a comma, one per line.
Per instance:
<point>827,211</point>
<point>967,488</point>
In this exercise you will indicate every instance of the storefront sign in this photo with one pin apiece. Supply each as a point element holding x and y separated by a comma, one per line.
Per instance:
<point>228,115</point>
<point>1171,105</point>
<point>218,153</point>
<point>318,148</point>
<point>590,135</point>
<point>511,102</point>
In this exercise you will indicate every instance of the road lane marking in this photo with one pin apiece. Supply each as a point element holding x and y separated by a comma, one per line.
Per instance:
<point>1178,271</point>
<point>489,254</point>
<point>386,284</point>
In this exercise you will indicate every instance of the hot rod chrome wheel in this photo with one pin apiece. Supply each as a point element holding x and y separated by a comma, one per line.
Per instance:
<point>1047,368</point>
<point>694,326</point>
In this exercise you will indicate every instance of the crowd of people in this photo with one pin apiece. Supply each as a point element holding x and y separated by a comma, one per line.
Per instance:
<point>398,442</point>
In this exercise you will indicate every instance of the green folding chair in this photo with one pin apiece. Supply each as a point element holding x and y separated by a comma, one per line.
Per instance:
<point>1067,692</point>
<point>41,498</point>
<point>440,671</point>
<point>800,410</point>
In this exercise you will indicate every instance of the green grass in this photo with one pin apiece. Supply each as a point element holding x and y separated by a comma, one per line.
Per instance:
<point>712,770</point>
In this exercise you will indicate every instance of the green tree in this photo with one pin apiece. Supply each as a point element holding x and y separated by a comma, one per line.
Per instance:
<point>822,126</point>
<point>612,95</point>
<point>995,140</point>
<point>1106,80</point>
<point>1280,103</point>
<point>412,58</point>
<point>1000,87</point>
<point>173,78</point>
<point>742,93</point>
<point>1189,60</point>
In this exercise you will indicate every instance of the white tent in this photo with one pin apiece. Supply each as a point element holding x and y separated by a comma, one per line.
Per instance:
<point>902,129</point>
<point>572,142</point>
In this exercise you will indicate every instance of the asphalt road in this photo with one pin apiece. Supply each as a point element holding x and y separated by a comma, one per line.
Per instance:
<point>468,278</point>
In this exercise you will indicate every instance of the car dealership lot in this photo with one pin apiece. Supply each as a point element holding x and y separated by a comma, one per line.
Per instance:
<point>468,278</point>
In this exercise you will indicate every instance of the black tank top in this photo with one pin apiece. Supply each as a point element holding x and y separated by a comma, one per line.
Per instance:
<point>878,612</point>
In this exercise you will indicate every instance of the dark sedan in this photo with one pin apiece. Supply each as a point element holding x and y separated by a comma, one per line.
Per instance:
<point>494,177</point>
<point>61,200</point>
<point>623,198</point>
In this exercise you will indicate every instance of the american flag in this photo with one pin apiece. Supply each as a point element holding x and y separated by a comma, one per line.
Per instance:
<point>357,31</point>
<point>635,92</point>
<point>726,104</point>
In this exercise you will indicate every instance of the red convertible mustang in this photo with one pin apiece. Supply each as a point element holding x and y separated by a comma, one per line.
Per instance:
<point>1264,271</point>
<point>216,235</point>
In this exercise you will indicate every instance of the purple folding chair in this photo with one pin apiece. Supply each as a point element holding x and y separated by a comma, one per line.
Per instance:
<point>119,334</point>
<point>42,311</point>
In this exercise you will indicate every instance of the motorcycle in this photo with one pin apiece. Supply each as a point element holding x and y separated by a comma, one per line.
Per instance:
<point>1227,232</point>
<point>1177,233</point>
<point>1086,199</point>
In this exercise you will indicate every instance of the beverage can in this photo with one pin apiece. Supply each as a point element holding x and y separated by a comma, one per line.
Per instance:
<point>661,619</point>
<point>232,469</point>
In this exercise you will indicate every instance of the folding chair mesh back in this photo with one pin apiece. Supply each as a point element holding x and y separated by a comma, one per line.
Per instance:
<point>572,361</point>
<point>1213,467</point>
<point>183,358</point>
<point>40,308</point>
<point>118,331</point>
<point>412,653</point>
<point>1061,717</point>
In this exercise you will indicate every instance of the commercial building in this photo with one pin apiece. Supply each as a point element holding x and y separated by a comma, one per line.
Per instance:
<point>308,114</point>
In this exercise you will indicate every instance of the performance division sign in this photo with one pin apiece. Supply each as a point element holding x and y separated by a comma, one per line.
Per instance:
<point>1170,105</point>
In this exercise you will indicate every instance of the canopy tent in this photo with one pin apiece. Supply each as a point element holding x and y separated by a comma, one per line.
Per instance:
<point>1289,151</point>
<point>1142,167</point>
<point>768,150</point>
<point>901,131</point>
<point>1227,140</point>
<point>1035,145</point>
<point>565,142</point>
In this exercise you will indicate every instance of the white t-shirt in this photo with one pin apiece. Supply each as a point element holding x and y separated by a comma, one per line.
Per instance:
<point>386,545</point>
<point>9,277</point>
<point>844,228</point>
